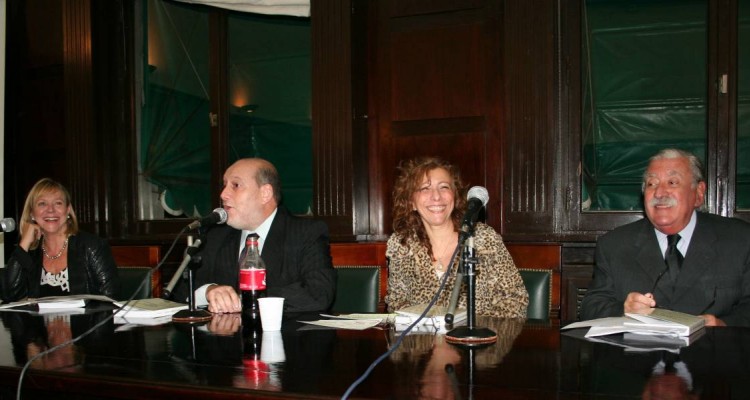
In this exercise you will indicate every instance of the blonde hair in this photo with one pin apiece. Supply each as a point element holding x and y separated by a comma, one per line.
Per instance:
<point>42,187</point>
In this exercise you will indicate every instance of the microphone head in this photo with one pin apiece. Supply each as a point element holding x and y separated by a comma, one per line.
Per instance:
<point>222,215</point>
<point>480,193</point>
<point>7,225</point>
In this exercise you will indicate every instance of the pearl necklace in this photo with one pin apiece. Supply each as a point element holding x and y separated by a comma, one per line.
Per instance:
<point>56,256</point>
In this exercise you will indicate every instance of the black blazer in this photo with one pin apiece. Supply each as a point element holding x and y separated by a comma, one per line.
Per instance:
<point>714,277</point>
<point>297,257</point>
<point>91,269</point>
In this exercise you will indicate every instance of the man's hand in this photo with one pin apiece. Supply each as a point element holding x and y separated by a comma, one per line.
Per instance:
<point>638,303</point>
<point>223,299</point>
<point>711,320</point>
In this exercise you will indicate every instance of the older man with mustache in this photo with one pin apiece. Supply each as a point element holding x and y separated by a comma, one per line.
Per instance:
<point>710,274</point>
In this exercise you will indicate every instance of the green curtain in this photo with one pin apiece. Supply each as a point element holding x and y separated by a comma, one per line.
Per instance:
<point>644,90</point>
<point>269,75</point>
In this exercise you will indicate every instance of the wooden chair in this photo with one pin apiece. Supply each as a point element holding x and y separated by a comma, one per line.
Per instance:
<point>134,264</point>
<point>362,277</point>
<point>539,265</point>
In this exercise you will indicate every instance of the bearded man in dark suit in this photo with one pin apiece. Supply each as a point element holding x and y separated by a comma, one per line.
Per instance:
<point>295,250</point>
<point>631,274</point>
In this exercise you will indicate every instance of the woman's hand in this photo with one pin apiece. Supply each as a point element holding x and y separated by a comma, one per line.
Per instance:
<point>31,234</point>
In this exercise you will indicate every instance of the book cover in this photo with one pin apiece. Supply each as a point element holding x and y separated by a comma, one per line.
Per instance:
<point>674,321</point>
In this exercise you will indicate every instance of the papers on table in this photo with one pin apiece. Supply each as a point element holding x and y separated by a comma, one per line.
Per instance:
<point>55,303</point>
<point>434,318</point>
<point>355,324</point>
<point>352,321</point>
<point>148,308</point>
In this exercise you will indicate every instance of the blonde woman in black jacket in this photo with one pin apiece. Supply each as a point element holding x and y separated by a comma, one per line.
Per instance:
<point>53,257</point>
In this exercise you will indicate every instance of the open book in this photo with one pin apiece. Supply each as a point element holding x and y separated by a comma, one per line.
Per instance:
<point>657,322</point>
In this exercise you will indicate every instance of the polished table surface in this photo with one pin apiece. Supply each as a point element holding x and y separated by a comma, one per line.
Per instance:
<point>531,360</point>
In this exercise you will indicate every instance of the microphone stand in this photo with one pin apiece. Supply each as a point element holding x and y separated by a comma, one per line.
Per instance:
<point>191,315</point>
<point>469,335</point>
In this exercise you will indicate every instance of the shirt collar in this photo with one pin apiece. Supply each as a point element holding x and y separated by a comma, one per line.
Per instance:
<point>685,235</point>
<point>261,231</point>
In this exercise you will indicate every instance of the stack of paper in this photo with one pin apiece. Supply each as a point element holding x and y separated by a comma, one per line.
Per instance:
<point>657,322</point>
<point>435,317</point>
<point>58,303</point>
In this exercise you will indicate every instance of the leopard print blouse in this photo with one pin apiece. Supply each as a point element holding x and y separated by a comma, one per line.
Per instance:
<point>412,279</point>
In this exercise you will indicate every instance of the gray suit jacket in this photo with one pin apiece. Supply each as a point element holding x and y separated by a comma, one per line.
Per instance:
<point>714,278</point>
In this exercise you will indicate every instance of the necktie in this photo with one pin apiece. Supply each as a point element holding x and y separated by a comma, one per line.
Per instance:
<point>673,257</point>
<point>244,247</point>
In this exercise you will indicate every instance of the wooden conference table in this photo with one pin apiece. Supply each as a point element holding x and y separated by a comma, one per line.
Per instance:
<point>530,360</point>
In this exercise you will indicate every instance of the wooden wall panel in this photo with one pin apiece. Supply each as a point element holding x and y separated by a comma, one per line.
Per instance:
<point>79,110</point>
<point>332,114</point>
<point>435,88</point>
<point>530,144</point>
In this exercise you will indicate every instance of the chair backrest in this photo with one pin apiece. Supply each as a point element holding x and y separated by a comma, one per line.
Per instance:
<point>134,264</point>
<point>362,277</point>
<point>539,265</point>
<point>357,289</point>
<point>538,283</point>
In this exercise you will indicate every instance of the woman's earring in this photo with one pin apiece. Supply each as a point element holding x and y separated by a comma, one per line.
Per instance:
<point>32,218</point>
<point>68,216</point>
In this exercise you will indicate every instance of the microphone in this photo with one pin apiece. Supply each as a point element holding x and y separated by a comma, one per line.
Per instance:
<point>218,216</point>
<point>7,225</point>
<point>189,253</point>
<point>478,198</point>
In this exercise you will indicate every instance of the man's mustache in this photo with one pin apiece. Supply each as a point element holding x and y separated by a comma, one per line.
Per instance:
<point>663,202</point>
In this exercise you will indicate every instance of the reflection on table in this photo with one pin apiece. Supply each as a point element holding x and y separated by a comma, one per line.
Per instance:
<point>530,360</point>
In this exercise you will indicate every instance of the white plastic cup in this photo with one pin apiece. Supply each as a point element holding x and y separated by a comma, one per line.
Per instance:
<point>272,347</point>
<point>271,310</point>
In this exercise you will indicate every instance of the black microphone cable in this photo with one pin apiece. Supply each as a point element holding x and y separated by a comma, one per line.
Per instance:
<point>406,331</point>
<point>146,280</point>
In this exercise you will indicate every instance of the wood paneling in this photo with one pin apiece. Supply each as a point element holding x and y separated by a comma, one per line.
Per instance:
<point>332,114</point>
<point>530,130</point>
<point>436,90</point>
<point>79,109</point>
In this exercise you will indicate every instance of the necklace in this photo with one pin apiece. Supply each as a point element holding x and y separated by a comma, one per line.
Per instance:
<point>438,264</point>
<point>56,256</point>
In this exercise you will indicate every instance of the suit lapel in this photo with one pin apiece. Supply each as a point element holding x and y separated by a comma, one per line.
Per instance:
<point>229,255</point>
<point>273,254</point>
<point>699,260</point>
<point>648,251</point>
<point>651,260</point>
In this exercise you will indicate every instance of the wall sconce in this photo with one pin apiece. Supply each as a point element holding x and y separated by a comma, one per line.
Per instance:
<point>249,108</point>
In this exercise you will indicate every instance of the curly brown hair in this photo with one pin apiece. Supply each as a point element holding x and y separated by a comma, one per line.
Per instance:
<point>406,220</point>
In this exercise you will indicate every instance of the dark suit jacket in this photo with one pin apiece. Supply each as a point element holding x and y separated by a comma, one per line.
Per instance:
<point>714,278</point>
<point>297,257</point>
